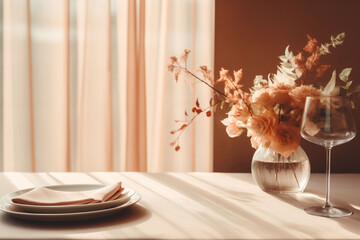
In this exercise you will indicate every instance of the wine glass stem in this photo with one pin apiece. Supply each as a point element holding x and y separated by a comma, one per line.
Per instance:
<point>328,168</point>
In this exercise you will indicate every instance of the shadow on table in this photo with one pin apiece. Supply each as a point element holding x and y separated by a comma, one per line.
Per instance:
<point>311,198</point>
<point>129,216</point>
<point>214,204</point>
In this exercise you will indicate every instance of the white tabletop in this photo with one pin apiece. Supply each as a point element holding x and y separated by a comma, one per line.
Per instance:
<point>194,206</point>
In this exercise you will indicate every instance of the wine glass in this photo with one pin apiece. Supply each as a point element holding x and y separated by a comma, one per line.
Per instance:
<point>327,121</point>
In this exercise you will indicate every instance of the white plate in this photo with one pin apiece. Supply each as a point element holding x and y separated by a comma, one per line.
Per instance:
<point>124,197</point>
<point>12,210</point>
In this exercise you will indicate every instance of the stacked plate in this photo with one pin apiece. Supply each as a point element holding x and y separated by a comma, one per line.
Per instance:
<point>127,198</point>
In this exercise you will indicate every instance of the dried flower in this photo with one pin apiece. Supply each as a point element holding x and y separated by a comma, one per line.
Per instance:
<point>271,111</point>
<point>321,70</point>
<point>312,45</point>
<point>312,61</point>
<point>185,55</point>
<point>300,61</point>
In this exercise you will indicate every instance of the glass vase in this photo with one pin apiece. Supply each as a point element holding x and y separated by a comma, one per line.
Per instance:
<point>274,173</point>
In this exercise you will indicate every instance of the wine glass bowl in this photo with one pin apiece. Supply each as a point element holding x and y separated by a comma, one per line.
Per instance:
<point>328,121</point>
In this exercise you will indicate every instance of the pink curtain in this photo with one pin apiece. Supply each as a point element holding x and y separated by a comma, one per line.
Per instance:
<point>85,85</point>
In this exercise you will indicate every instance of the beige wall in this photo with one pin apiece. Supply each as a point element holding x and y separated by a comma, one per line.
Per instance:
<point>251,34</point>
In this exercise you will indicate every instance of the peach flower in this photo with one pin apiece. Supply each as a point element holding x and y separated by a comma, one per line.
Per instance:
<point>262,97</point>
<point>259,141</point>
<point>240,111</point>
<point>234,128</point>
<point>260,128</point>
<point>279,92</point>
<point>237,117</point>
<point>260,125</point>
<point>300,93</point>
<point>285,139</point>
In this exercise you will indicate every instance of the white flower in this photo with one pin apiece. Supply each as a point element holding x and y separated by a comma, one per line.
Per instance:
<point>234,128</point>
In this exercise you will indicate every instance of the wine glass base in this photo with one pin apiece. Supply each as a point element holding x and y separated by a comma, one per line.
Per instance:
<point>331,212</point>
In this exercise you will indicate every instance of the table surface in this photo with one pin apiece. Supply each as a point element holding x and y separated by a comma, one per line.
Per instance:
<point>194,206</point>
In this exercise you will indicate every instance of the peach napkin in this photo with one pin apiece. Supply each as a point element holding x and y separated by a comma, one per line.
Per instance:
<point>48,197</point>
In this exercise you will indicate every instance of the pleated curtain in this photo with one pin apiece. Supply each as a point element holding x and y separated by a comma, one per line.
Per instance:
<point>85,87</point>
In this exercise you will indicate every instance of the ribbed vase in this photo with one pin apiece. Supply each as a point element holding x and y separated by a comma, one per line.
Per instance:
<point>274,173</point>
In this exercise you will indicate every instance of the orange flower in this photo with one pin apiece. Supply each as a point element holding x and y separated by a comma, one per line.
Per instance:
<point>279,93</point>
<point>285,139</point>
<point>300,93</point>
<point>262,124</point>
<point>260,128</point>
<point>262,98</point>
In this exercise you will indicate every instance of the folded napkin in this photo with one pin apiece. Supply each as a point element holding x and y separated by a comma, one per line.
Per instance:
<point>47,197</point>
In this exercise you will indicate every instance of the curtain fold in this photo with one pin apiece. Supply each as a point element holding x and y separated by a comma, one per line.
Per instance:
<point>15,93</point>
<point>136,95</point>
<point>85,85</point>
<point>94,128</point>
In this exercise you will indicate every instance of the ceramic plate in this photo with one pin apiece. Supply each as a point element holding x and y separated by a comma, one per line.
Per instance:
<point>124,197</point>
<point>14,211</point>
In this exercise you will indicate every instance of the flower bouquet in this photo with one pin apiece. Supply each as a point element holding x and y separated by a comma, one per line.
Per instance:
<point>271,111</point>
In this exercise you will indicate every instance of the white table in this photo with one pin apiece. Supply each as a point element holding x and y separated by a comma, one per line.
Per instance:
<point>195,206</point>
